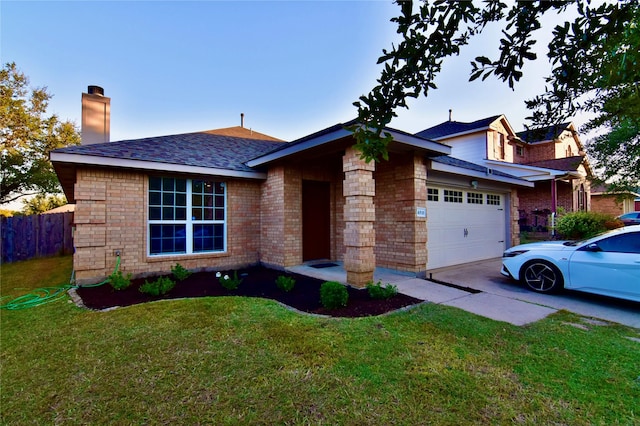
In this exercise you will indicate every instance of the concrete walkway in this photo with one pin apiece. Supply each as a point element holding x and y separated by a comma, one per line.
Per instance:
<point>488,305</point>
<point>479,288</point>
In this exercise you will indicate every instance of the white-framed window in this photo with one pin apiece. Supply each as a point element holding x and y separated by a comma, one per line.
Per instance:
<point>433,194</point>
<point>451,196</point>
<point>520,150</point>
<point>186,216</point>
<point>493,200</point>
<point>474,197</point>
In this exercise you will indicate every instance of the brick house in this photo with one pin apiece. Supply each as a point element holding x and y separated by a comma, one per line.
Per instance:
<point>552,159</point>
<point>615,204</point>
<point>229,198</point>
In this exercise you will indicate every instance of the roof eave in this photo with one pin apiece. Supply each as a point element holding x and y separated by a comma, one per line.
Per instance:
<point>412,141</point>
<point>90,160</point>
<point>448,168</point>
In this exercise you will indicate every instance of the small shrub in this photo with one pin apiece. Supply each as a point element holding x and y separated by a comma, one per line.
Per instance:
<point>333,295</point>
<point>377,291</point>
<point>230,283</point>
<point>285,283</point>
<point>162,285</point>
<point>580,225</point>
<point>180,272</point>
<point>119,281</point>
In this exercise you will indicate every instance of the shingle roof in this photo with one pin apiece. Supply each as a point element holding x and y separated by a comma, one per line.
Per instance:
<point>543,133</point>
<point>213,149</point>
<point>452,161</point>
<point>454,127</point>
<point>564,164</point>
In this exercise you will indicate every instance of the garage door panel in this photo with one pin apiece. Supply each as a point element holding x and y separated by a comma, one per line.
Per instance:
<point>464,232</point>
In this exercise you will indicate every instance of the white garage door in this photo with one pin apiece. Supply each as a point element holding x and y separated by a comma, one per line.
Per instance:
<point>464,226</point>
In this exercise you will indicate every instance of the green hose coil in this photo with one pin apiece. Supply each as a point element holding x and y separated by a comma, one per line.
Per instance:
<point>43,295</point>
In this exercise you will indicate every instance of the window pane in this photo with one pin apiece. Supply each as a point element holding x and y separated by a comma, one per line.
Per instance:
<point>196,200</point>
<point>167,239</point>
<point>208,237</point>
<point>219,214</point>
<point>181,185</point>
<point>168,184</point>
<point>167,199</point>
<point>197,186</point>
<point>154,198</point>
<point>219,188</point>
<point>220,201</point>
<point>208,200</point>
<point>181,199</point>
<point>155,184</point>
<point>167,213</point>
<point>155,213</point>
<point>197,214</point>
<point>181,213</point>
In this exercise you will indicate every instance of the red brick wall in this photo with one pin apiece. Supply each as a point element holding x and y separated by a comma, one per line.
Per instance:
<point>539,198</point>
<point>607,204</point>
<point>111,215</point>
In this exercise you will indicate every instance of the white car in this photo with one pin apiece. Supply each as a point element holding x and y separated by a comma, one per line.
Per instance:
<point>608,264</point>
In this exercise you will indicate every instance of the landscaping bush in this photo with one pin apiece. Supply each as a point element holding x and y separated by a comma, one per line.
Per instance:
<point>230,283</point>
<point>162,285</point>
<point>333,295</point>
<point>285,283</point>
<point>580,225</point>
<point>118,281</point>
<point>377,291</point>
<point>180,272</point>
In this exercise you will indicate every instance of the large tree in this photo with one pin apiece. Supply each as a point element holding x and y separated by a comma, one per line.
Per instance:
<point>27,135</point>
<point>595,59</point>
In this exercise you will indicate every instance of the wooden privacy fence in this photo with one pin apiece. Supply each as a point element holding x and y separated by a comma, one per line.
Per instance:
<point>26,237</point>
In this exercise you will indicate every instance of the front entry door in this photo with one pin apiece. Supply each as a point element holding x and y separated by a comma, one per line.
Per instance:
<point>316,220</point>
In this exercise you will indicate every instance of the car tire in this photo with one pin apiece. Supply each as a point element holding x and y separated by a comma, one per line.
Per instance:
<point>542,277</point>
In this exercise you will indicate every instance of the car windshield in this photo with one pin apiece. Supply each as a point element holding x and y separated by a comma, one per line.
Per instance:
<point>580,242</point>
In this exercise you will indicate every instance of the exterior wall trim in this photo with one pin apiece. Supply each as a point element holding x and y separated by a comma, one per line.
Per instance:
<point>85,160</point>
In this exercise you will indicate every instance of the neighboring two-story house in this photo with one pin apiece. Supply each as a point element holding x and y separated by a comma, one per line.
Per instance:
<point>551,158</point>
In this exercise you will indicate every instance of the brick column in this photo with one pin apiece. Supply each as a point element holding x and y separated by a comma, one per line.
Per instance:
<point>359,217</point>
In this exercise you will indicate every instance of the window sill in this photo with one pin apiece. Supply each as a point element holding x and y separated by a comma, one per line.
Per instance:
<point>179,257</point>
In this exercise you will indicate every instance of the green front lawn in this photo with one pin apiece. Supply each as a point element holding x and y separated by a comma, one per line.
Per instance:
<point>247,361</point>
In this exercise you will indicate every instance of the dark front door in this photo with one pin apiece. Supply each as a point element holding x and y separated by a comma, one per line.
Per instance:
<point>316,220</point>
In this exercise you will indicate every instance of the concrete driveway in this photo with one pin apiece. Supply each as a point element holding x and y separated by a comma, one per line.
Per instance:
<point>485,277</point>
<point>481,289</point>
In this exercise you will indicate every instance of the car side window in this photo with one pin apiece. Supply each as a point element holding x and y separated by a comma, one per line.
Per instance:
<point>625,243</point>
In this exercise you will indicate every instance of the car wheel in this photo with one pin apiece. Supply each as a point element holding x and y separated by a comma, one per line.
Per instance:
<point>542,277</point>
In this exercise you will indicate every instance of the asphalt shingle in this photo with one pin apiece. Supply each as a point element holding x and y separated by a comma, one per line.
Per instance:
<point>203,149</point>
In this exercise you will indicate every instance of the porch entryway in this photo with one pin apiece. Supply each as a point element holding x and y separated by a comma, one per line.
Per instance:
<point>316,220</point>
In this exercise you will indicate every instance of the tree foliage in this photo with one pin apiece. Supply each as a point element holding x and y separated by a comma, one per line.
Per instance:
<point>27,135</point>
<point>595,60</point>
<point>42,203</point>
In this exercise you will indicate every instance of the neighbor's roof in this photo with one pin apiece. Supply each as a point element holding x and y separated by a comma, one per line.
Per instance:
<point>226,149</point>
<point>543,134</point>
<point>566,164</point>
<point>449,128</point>
<point>67,208</point>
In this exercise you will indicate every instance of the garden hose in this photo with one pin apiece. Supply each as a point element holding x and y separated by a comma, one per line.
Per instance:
<point>43,295</point>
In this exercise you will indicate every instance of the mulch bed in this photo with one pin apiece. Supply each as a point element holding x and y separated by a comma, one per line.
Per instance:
<point>256,282</point>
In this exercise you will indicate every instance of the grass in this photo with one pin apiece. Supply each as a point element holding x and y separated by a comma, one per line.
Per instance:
<point>246,361</point>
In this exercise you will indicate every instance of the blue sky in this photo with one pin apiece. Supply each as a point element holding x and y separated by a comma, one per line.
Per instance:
<point>293,67</point>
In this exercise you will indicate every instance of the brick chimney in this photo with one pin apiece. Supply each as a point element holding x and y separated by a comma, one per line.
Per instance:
<point>96,116</point>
